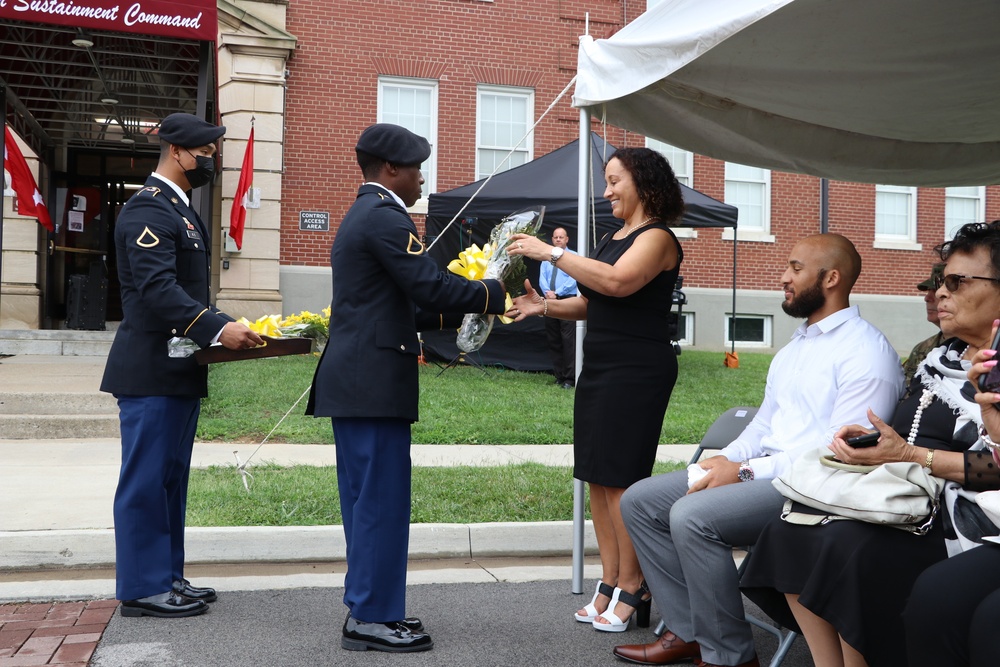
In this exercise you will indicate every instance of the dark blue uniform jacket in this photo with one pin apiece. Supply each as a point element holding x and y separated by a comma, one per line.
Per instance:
<point>164,253</point>
<point>385,290</point>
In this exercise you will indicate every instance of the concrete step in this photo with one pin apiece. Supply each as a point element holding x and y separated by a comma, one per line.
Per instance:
<point>57,403</point>
<point>63,342</point>
<point>57,395</point>
<point>31,415</point>
<point>45,427</point>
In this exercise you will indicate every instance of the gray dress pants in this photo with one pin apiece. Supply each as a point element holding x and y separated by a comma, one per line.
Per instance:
<point>685,547</point>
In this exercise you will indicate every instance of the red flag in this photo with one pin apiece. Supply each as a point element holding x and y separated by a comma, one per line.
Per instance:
<point>29,199</point>
<point>239,212</point>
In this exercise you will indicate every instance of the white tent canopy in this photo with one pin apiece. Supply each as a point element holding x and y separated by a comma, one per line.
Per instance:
<point>903,92</point>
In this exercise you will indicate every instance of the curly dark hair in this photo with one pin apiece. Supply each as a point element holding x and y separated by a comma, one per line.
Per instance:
<point>972,236</point>
<point>655,182</point>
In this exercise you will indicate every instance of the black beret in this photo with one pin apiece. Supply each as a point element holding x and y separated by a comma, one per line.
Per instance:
<point>183,129</point>
<point>394,144</point>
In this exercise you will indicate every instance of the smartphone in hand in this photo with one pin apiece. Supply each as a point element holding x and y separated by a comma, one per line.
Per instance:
<point>991,381</point>
<point>866,440</point>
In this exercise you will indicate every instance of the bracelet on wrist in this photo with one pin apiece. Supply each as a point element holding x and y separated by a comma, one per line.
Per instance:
<point>987,439</point>
<point>545,308</point>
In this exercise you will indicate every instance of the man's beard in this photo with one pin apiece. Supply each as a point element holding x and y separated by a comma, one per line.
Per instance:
<point>806,302</point>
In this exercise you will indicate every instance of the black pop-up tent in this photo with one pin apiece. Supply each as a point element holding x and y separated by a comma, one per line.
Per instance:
<point>550,181</point>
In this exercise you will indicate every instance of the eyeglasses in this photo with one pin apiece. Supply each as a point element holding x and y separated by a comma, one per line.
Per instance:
<point>953,281</point>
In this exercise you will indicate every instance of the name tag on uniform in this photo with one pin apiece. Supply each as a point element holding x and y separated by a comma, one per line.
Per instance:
<point>192,233</point>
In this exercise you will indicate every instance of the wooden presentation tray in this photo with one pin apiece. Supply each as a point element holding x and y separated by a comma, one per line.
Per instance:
<point>276,347</point>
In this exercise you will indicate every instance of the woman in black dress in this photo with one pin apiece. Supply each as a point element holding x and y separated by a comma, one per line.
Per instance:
<point>629,364</point>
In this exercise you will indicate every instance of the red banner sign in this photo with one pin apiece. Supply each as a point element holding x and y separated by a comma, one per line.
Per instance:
<point>184,19</point>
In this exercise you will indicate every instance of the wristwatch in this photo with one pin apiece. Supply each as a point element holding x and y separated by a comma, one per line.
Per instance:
<point>557,252</point>
<point>746,472</point>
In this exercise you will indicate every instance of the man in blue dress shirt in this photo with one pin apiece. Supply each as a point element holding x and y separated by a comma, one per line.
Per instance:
<point>561,334</point>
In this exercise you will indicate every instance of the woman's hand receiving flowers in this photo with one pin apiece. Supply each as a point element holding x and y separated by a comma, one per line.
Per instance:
<point>530,246</point>
<point>528,304</point>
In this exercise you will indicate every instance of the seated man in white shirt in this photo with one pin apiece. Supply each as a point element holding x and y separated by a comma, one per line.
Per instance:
<point>836,366</point>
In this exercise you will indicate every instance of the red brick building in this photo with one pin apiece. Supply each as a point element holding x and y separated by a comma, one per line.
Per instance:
<point>351,59</point>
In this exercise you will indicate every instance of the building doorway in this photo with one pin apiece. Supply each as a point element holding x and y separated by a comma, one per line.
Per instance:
<point>81,276</point>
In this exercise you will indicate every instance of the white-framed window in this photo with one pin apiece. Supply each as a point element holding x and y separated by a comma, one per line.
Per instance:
<point>685,328</point>
<point>748,330</point>
<point>896,217</point>
<point>749,190</point>
<point>504,115</point>
<point>680,160</point>
<point>413,103</point>
<point>963,205</point>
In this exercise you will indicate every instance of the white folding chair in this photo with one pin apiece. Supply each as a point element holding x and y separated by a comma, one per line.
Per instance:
<point>723,431</point>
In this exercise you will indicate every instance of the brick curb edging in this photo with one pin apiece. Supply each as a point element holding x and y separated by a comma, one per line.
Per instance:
<point>61,633</point>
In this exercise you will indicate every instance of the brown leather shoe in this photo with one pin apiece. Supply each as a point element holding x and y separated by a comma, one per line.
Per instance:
<point>750,663</point>
<point>668,649</point>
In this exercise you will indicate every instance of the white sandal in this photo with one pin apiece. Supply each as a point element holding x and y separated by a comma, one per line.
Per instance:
<point>634,600</point>
<point>592,613</point>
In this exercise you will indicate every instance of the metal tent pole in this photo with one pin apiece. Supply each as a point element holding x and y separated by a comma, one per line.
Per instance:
<point>583,248</point>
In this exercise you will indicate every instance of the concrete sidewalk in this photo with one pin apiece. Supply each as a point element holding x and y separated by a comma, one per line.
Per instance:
<point>57,514</point>
<point>56,497</point>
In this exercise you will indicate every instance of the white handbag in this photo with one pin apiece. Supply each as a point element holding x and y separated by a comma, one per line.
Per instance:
<point>901,495</point>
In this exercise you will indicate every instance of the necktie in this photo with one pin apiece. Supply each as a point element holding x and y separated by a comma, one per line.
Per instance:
<point>552,280</point>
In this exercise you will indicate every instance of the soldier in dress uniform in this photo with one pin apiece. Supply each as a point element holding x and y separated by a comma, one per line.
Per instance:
<point>385,290</point>
<point>163,251</point>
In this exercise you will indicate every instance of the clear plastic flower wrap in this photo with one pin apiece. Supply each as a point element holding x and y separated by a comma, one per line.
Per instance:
<point>492,261</point>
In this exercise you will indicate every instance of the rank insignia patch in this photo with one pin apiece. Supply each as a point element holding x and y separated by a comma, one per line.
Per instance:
<point>415,247</point>
<point>147,239</point>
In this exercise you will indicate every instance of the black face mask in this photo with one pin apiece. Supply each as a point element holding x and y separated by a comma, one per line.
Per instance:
<point>203,172</point>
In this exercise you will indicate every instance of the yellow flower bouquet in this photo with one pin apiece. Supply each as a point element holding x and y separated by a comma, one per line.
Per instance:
<point>300,325</point>
<point>492,261</point>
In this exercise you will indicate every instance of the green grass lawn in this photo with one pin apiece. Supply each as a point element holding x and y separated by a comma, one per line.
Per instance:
<point>307,496</point>
<point>246,400</point>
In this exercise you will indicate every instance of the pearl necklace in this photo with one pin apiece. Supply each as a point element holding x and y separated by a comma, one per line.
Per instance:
<point>641,224</point>
<point>926,398</point>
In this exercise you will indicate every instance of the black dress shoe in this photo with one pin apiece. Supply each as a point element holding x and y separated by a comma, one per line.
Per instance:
<point>411,623</point>
<point>184,587</point>
<point>164,605</point>
<point>393,637</point>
